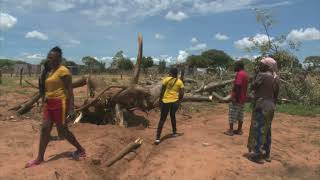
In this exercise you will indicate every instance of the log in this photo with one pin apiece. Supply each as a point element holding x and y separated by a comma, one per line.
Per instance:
<point>188,80</point>
<point>28,105</point>
<point>32,85</point>
<point>220,98</point>
<point>135,78</point>
<point>213,85</point>
<point>97,97</point>
<point>129,148</point>
<point>200,89</point>
<point>197,98</point>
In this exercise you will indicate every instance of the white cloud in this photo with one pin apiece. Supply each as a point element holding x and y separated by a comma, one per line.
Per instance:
<point>178,16</point>
<point>74,41</point>
<point>182,57</point>
<point>111,12</point>
<point>36,35</point>
<point>219,6</point>
<point>159,36</point>
<point>61,5</point>
<point>221,37</point>
<point>70,43</point>
<point>246,42</point>
<point>194,40</point>
<point>307,34</point>
<point>7,21</point>
<point>36,56</point>
<point>198,47</point>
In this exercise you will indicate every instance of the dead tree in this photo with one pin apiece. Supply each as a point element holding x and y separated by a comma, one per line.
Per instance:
<point>21,75</point>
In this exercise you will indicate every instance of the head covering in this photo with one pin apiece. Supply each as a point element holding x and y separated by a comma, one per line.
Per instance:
<point>271,63</point>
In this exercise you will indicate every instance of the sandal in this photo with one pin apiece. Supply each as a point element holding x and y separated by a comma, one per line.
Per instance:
<point>78,154</point>
<point>238,132</point>
<point>32,163</point>
<point>256,158</point>
<point>229,133</point>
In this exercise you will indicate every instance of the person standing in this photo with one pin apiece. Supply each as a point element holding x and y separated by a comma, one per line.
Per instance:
<point>56,87</point>
<point>171,94</point>
<point>266,90</point>
<point>238,98</point>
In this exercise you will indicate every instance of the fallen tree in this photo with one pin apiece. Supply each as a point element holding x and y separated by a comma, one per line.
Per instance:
<point>111,104</point>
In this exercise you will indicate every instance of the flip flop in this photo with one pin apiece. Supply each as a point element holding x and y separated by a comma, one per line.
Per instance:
<point>32,163</point>
<point>229,133</point>
<point>238,132</point>
<point>78,154</point>
<point>255,158</point>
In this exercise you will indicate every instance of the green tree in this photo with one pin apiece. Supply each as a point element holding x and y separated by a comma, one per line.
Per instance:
<point>162,66</point>
<point>286,60</point>
<point>89,62</point>
<point>197,61</point>
<point>217,58</point>
<point>146,63</point>
<point>68,63</point>
<point>314,61</point>
<point>125,64</point>
<point>249,65</point>
<point>116,59</point>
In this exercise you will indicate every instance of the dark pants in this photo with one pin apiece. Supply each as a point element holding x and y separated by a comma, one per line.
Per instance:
<point>165,109</point>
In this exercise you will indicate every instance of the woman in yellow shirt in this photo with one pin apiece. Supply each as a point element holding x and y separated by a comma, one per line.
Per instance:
<point>56,87</point>
<point>171,94</point>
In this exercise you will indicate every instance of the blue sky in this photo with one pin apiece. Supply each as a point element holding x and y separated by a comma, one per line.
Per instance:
<point>172,29</point>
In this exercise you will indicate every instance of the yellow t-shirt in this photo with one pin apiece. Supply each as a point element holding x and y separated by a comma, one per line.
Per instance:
<point>172,89</point>
<point>54,84</point>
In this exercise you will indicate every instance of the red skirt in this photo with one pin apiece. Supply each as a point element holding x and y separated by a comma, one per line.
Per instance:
<point>55,110</point>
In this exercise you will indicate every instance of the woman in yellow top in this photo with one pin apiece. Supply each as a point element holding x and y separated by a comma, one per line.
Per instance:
<point>171,94</point>
<point>56,87</point>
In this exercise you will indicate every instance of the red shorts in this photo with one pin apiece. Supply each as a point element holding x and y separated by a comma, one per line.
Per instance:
<point>55,110</point>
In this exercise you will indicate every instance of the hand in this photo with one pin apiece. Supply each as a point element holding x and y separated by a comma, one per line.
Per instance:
<point>71,115</point>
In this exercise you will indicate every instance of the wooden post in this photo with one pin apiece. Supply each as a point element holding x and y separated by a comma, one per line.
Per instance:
<point>0,76</point>
<point>21,74</point>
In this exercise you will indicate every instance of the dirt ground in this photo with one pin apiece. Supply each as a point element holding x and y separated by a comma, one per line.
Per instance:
<point>201,152</point>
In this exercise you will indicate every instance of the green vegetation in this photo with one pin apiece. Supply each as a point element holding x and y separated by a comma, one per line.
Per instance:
<point>146,63</point>
<point>162,66</point>
<point>211,58</point>
<point>294,109</point>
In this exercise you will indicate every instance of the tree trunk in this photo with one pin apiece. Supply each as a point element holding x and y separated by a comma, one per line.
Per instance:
<point>28,105</point>
<point>213,85</point>
<point>138,63</point>
<point>197,98</point>
<point>130,147</point>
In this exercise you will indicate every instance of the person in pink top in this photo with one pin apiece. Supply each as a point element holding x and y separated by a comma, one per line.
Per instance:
<point>238,97</point>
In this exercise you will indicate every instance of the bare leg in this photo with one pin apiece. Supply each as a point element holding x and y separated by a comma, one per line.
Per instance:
<point>63,129</point>
<point>44,138</point>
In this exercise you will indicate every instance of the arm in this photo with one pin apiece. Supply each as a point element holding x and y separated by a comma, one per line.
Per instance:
<point>181,94</point>
<point>67,82</point>
<point>162,91</point>
<point>237,90</point>
<point>276,90</point>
